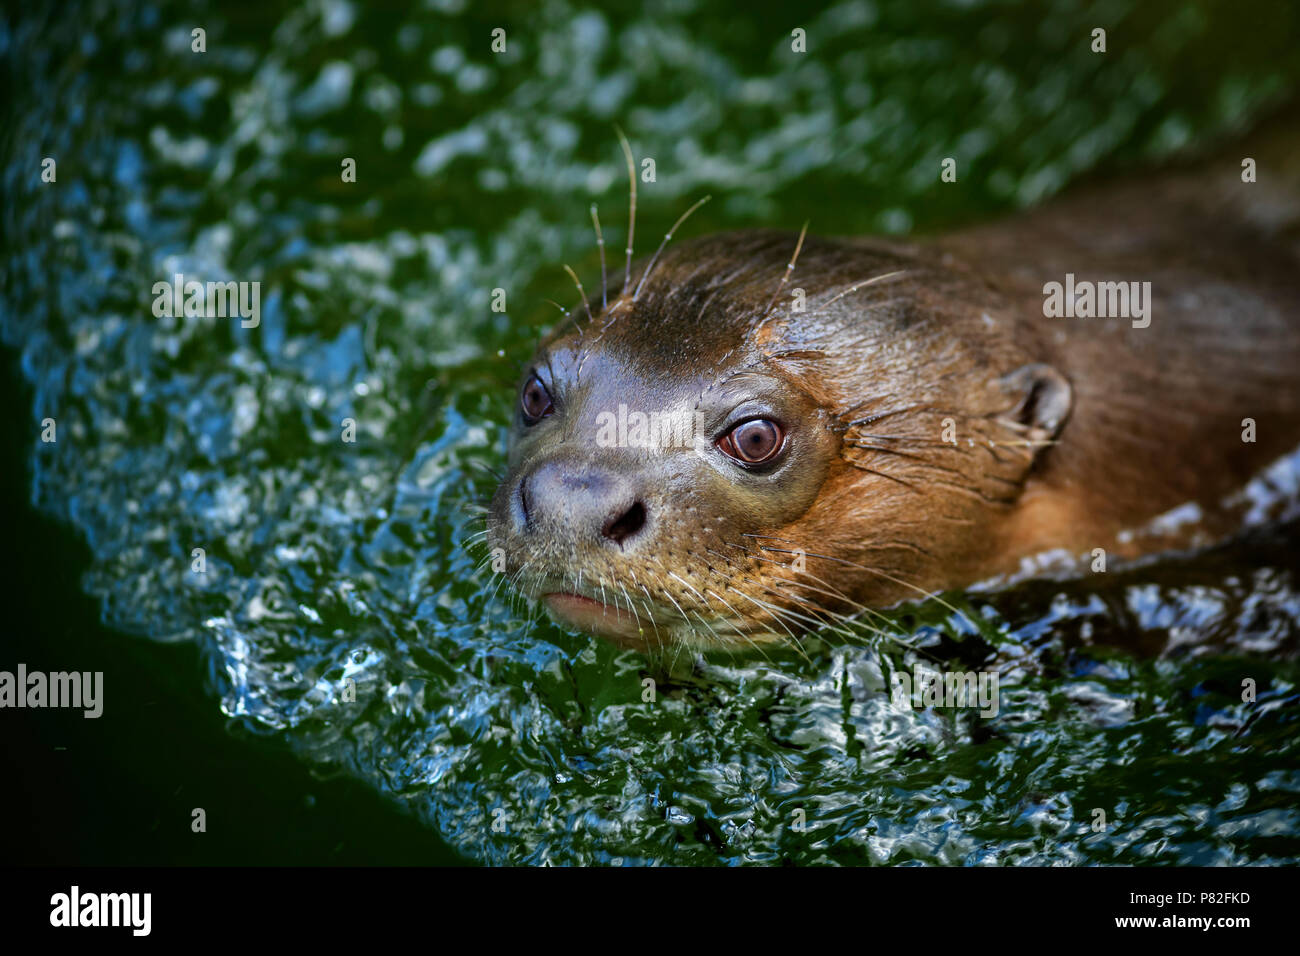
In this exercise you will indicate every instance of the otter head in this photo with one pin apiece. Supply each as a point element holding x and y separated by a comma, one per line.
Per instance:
<point>700,463</point>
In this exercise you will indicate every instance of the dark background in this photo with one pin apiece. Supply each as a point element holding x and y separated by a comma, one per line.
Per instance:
<point>121,791</point>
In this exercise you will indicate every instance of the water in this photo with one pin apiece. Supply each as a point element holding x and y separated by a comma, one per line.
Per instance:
<point>329,560</point>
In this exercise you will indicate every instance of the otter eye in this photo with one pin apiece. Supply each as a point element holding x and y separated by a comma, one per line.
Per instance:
<point>535,401</point>
<point>753,442</point>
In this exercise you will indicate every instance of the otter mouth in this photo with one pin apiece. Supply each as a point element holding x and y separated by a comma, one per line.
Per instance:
<point>649,629</point>
<point>583,613</point>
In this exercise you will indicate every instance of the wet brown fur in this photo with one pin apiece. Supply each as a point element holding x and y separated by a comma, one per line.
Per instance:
<point>884,508</point>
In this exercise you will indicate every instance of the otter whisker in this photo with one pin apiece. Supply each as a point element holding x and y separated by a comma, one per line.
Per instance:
<point>875,418</point>
<point>667,238</point>
<point>834,593</point>
<point>635,615</point>
<point>774,608</point>
<point>512,580</point>
<point>987,444</point>
<point>785,277</point>
<point>585,304</point>
<point>631,214</point>
<point>806,573</point>
<point>907,438</point>
<point>880,474</point>
<point>515,578</point>
<point>775,611</point>
<point>665,593</point>
<point>705,601</point>
<point>793,639</point>
<point>725,603</point>
<point>600,244</point>
<point>804,352</point>
<point>815,608</point>
<point>903,454</point>
<point>825,619</point>
<point>840,623</point>
<point>483,466</point>
<point>726,557</point>
<point>716,636</point>
<point>677,653</point>
<point>676,576</point>
<point>500,579</point>
<point>647,608</point>
<point>747,638</point>
<point>927,595</point>
<point>840,595</point>
<point>861,285</point>
<point>878,546</point>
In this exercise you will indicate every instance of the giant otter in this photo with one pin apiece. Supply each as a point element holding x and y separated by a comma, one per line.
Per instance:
<point>868,422</point>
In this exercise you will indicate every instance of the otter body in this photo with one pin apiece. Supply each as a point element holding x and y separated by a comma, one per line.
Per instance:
<point>885,420</point>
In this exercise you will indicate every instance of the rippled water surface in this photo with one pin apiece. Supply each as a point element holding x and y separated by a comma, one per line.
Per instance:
<point>328,560</point>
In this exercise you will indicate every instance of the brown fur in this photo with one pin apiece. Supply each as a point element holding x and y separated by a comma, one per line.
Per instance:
<point>951,333</point>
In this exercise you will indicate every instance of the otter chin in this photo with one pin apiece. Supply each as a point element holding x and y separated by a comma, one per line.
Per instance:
<point>750,435</point>
<point>595,617</point>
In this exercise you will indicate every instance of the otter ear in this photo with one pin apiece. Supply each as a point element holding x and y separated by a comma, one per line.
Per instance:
<point>1044,399</point>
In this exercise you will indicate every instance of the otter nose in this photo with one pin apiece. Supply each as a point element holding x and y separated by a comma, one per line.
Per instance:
<point>584,501</point>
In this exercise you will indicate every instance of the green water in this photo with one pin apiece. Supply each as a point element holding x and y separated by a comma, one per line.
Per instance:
<point>329,560</point>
